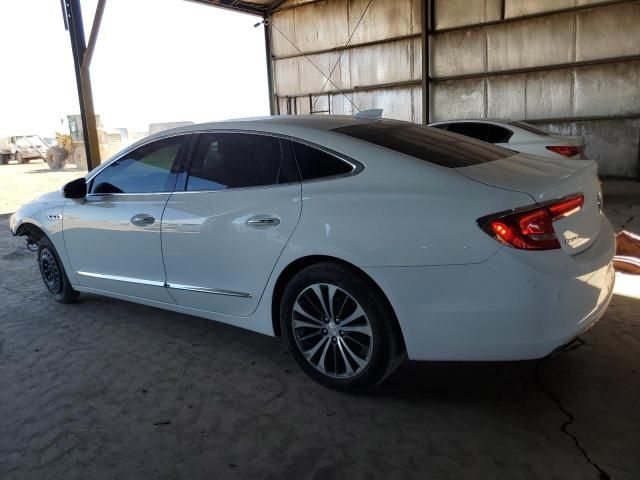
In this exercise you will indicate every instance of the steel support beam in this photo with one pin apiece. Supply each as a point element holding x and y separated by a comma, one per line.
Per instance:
<point>546,13</point>
<point>93,36</point>
<point>234,5</point>
<point>360,88</point>
<point>267,48</point>
<point>73,15</point>
<point>351,46</point>
<point>543,68</point>
<point>427,27</point>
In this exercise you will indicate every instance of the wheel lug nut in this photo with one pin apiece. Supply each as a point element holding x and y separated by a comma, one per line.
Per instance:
<point>341,333</point>
<point>334,339</point>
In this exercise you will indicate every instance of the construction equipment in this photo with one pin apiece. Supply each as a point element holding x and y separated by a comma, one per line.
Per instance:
<point>70,146</point>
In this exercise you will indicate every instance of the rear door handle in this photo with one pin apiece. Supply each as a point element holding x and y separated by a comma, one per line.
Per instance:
<point>142,220</point>
<point>263,221</point>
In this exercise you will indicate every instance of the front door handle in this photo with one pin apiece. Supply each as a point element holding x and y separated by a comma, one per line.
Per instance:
<point>142,220</point>
<point>263,221</point>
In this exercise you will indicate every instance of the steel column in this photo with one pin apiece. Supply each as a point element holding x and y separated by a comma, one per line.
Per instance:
<point>267,48</point>
<point>427,27</point>
<point>73,14</point>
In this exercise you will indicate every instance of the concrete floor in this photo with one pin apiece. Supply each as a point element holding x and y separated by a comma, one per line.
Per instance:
<point>107,389</point>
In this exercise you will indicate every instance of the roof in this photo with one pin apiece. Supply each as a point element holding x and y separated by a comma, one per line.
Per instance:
<point>283,124</point>
<point>255,7</point>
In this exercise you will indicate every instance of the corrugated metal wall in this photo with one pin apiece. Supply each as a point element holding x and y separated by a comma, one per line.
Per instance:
<point>381,69</point>
<point>570,65</point>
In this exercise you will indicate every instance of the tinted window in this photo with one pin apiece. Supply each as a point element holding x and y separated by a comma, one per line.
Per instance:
<point>147,169</point>
<point>237,160</point>
<point>479,131</point>
<point>315,163</point>
<point>430,144</point>
<point>498,134</point>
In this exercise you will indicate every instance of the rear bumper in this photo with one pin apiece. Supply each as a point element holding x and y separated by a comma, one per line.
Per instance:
<point>515,306</point>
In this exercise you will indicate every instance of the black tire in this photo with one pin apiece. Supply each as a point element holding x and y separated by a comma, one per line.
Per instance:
<point>55,157</point>
<point>20,159</point>
<point>4,158</point>
<point>371,356</point>
<point>53,274</point>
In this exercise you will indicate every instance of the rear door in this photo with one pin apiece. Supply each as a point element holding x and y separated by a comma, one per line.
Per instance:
<point>222,233</point>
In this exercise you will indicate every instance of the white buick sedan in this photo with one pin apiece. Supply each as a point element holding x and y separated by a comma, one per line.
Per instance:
<point>358,241</point>
<point>519,136</point>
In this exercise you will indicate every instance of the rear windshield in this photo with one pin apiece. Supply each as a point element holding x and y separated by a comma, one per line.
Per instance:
<point>426,143</point>
<point>530,128</point>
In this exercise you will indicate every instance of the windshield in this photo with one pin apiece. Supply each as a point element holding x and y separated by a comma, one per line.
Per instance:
<point>426,143</point>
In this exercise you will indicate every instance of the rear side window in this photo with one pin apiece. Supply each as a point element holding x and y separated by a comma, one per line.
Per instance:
<point>315,163</point>
<point>236,160</point>
<point>433,145</point>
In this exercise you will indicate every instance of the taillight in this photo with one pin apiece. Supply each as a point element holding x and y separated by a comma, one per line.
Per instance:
<point>565,150</point>
<point>531,228</point>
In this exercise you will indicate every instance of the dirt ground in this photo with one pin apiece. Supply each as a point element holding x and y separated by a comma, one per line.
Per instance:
<point>108,389</point>
<point>20,184</point>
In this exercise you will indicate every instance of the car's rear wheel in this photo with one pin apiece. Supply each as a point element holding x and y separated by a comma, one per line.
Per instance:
<point>339,329</point>
<point>53,274</point>
<point>4,158</point>
<point>21,159</point>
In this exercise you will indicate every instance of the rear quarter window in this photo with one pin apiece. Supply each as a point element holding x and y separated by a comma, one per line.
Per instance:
<point>315,163</point>
<point>430,144</point>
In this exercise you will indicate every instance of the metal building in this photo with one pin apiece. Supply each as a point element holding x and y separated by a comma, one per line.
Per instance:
<point>572,66</point>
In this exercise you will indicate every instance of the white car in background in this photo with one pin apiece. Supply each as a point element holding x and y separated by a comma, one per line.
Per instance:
<point>519,136</point>
<point>358,241</point>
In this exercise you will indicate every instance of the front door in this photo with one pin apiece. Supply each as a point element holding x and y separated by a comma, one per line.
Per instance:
<point>223,233</point>
<point>113,236</point>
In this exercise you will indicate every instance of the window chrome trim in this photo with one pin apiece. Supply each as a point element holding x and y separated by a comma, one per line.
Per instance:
<point>131,194</point>
<point>118,278</point>
<point>356,167</point>
<point>214,291</point>
<point>134,146</point>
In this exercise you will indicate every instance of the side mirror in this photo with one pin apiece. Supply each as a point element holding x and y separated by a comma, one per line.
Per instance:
<point>75,189</point>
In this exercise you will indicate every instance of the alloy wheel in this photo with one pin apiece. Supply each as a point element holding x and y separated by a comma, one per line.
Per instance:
<point>332,330</point>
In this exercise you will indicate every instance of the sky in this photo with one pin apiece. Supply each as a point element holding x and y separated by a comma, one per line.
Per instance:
<point>155,61</point>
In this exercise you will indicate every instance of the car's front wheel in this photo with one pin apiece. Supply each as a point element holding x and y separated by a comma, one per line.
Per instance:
<point>339,329</point>
<point>53,274</point>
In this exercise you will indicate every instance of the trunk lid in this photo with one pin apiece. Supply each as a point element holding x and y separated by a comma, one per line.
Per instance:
<point>546,180</point>
<point>564,140</point>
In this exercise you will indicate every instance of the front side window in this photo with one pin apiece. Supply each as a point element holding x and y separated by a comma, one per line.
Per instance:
<point>147,169</point>
<point>237,160</point>
<point>315,163</point>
